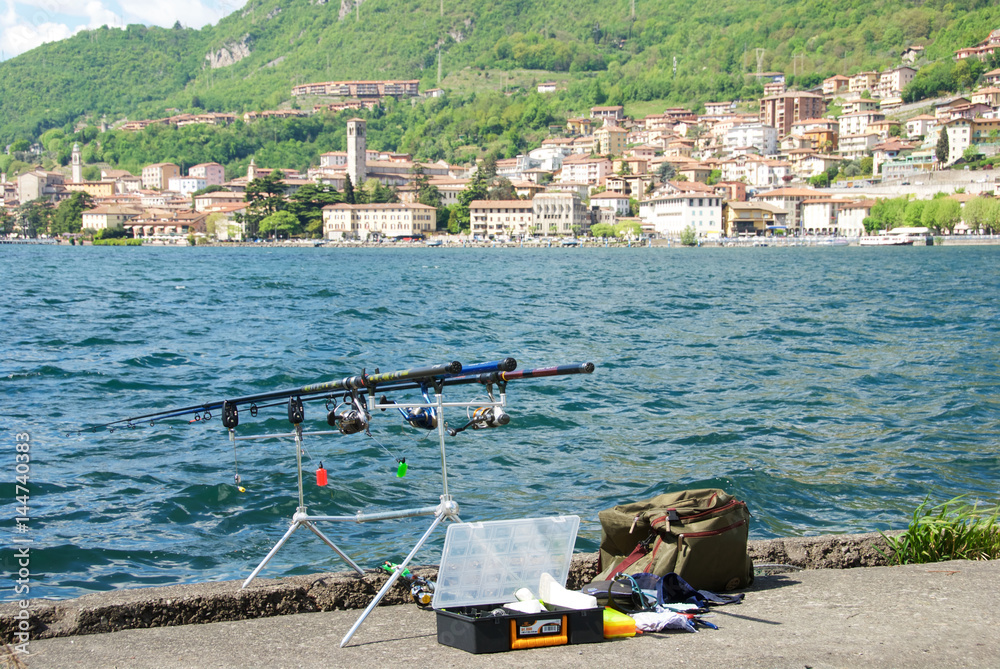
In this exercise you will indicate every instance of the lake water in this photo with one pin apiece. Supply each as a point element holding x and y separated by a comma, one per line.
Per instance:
<point>833,389</point>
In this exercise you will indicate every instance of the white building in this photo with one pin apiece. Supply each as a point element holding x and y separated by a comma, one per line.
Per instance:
<point>762,137</point>
<point>615,201</point>
<point>186,185</point>
<point>851,216</point>
<point>669,213</point>
<point>360,221</point>
<point>857,123</point>
<point>819,216</point>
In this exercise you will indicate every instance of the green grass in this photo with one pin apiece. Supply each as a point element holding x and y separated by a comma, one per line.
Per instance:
<point>117,242</point>
<point>952,530</point>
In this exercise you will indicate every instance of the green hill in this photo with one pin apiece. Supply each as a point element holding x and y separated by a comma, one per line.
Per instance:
<point>683,51</point>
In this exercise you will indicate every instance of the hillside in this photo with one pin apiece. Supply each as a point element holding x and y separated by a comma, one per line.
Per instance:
<point>251,58</point>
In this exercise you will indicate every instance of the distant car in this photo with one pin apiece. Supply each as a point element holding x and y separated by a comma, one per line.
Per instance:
<point>905,183</point>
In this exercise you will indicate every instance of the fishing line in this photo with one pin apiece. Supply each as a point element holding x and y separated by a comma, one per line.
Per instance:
<point>401,466</point>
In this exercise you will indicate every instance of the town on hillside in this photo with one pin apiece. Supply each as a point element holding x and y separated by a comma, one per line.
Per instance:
<point>794,163</point>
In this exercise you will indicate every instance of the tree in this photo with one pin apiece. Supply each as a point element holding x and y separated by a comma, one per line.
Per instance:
<point>429,195</point>
<point>454,220</point>
<point>349,196</point>
<point>928,217</point>
<point>866,164</point>
<point>666,171</point>
<point>489,166</point>
<point>379,193</point>
<point>976,213</point>
<point>68,216</point>
<point>475,190</point>
<point>502,189</point>
<point>942,149</point>
<point>887,214</point>
<point>913,213</point>
<point>212,223</point>
<point>688,236</point>
<point>307,205</point>
<point>280,223</point>
<point>34,217</point>
<point>602,230</point>
<point>629,228</point>
<point>6,222</point>
<point>821,180</point>
<point>264,196</point>
<point>948,214</point>
<point>991,221</point>
<point>970,154</point>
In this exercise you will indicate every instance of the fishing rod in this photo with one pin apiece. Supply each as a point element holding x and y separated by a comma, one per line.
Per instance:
<point>415,418</point>
<point>358,383</point>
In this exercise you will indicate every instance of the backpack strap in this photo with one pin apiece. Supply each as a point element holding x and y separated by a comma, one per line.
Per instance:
<point>640,550</point>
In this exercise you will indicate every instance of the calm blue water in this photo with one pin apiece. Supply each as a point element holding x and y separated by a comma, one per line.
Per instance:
<point>832,389</point>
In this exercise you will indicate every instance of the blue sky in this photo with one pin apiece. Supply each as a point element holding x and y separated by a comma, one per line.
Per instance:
<point>24,24</point>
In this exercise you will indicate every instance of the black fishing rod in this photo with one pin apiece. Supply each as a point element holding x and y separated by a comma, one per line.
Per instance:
<point>359,383</point>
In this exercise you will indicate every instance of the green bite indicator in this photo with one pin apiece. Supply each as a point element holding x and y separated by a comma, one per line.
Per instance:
<point>401,469</point>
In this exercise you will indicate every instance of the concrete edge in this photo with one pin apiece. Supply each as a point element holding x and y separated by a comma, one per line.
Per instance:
<point>225,600</point>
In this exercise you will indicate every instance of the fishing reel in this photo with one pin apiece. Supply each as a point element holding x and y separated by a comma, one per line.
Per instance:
<point>423,418</point>
<point>482,418</point>
<point>350,416</point>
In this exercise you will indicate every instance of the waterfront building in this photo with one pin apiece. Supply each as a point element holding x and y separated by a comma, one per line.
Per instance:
<point>110,217</point>
<point>790,199</point>
<point>560,214</point>
<point>851,216</point>
<point>678,206</point>
<point>751,218</point>
<point>492,218</point>
<point>362,221</point>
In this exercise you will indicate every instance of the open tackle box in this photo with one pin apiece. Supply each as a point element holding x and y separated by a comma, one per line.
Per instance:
<point>484,564</point>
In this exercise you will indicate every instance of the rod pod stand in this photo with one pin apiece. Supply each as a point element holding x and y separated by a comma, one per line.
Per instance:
<point>446,509</point>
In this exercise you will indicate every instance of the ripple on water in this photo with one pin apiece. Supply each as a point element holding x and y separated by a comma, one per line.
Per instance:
<point>832,399</point>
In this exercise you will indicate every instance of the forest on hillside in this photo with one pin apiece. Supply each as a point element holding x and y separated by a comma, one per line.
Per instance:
<point>616,51</point>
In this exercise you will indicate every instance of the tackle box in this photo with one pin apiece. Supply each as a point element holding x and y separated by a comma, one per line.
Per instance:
<point>483,564</point>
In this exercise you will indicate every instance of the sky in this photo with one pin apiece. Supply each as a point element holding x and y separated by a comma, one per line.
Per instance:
<point>24,24</point>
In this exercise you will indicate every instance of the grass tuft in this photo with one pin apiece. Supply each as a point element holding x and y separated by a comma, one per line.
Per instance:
<point>952,530</point>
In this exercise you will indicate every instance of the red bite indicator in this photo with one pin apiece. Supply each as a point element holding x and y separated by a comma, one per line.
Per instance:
<point>321,475</point>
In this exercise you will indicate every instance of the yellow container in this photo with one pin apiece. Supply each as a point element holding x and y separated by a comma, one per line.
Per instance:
<point>617,625</point>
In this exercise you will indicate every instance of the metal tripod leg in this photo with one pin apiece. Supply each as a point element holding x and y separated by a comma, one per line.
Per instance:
<point>332,545</point>
<point>392,579</point>
<point>267,558</point>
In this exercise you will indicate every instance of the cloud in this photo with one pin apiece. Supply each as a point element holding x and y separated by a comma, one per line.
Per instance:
<point>20,35</point>
<point>191,13</point>
<point>26,24</point>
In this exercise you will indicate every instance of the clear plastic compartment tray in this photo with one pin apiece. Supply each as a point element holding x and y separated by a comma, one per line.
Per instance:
<point>485,563</point>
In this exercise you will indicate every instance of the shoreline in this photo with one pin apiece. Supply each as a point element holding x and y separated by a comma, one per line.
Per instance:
<point>221,601</point>
<point>757,242</point>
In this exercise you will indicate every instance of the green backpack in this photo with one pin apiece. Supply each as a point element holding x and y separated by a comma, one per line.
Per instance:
<point>699,534</point>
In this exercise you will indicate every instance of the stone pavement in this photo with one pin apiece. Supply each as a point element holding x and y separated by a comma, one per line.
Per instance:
<point>935,615</point>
